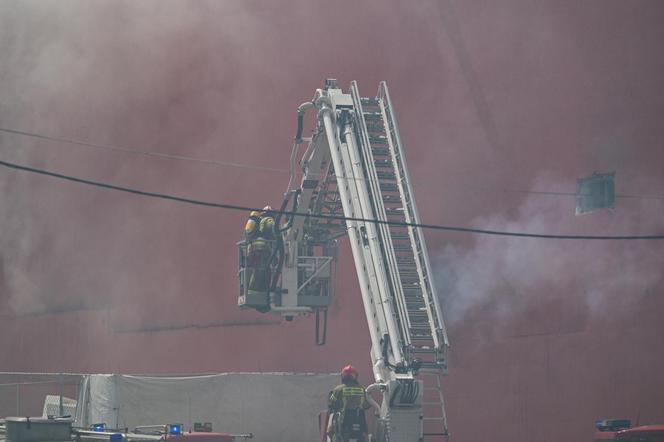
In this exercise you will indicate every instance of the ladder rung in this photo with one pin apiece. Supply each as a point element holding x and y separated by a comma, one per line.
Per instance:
<point>376,130</point>
<point>423,350</point>
<point>407,264</point>
<point>416,300</point>
<point>413,299</point>
<point>377,139</point>
<point>427,364</point>
<point>412,290</point>
<point>372,115</point>
<point>411,278</point>
<point>382,175</point>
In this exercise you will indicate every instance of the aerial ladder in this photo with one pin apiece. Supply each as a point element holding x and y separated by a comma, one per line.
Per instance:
<point>354,181</point>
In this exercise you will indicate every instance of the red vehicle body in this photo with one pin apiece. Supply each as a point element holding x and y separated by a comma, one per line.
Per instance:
<point>644,433</point>
<point>200,437</point>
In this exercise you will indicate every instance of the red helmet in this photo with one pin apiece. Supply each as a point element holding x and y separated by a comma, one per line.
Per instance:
<point>349,372</point>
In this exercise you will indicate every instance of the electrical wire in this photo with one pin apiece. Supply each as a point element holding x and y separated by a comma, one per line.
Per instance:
<point>281,171</point>
<point>321,216</point>
<point>452,29</point>
<point>139,152</point>
<point>152,154</point>
<point>542,192</point>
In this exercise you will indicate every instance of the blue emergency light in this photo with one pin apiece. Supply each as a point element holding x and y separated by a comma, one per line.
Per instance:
<point>613,424</point>
<point>175,429</point>
<point>98,427</point>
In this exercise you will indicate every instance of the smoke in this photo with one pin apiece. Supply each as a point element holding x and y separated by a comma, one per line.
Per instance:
<point>209,80</point>
<point>79,71</point>
<point>565,88</point>
<point>17,252</point>
<point>579,279</point>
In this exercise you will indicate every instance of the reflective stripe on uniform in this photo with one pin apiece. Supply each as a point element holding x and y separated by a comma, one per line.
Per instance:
<point>353,391</point>
<point>257,245</point>
<point>353,397</point>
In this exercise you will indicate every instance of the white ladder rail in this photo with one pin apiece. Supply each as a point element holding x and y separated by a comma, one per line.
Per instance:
<point>422,262</point>
<point>377,202</point>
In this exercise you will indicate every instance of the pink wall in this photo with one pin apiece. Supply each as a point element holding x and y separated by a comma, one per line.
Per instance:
<point>514,95</point>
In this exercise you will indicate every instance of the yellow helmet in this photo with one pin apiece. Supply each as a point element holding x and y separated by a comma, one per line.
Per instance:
<point>251,227</point>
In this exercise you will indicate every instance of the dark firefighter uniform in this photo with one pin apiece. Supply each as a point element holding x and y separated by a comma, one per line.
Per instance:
<point>259,232</point>
<point>347,403</point>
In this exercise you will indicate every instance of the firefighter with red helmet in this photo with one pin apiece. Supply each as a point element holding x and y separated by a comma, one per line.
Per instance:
<point>260,234</point>
<point>346,404</point>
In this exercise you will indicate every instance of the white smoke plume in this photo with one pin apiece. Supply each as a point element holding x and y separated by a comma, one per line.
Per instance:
<point>120,74</point>
<point>508,274</point>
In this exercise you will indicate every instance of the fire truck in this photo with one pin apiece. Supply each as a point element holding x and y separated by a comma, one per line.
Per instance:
<point>354,181</point>
<point>57,429</point>
<point>620,430</point>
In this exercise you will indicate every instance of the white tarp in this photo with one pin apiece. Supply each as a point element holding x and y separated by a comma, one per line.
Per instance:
<point>272,406</point>
<point>97,401</point>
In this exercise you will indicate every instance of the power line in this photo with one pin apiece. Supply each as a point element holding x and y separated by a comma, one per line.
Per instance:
<point>155,154</point>
<point>452,29</point>
<point>542,192</point>
<point>271,169</point>
<point>140,152</point>
<point>318,216</point>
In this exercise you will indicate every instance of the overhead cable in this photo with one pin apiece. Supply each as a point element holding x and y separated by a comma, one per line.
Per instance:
<point>150,153</point>
<point>321,216</point>
<point>140,152</point>
<point>282,171</point>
